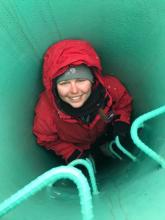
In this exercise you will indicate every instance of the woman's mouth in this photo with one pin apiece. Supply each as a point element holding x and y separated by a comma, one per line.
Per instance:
<point>75,98</point>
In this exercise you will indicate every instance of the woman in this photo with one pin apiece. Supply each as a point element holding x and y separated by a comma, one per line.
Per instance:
<point>79,110</point>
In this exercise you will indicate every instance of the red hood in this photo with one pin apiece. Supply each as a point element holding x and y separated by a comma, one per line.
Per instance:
<point>59,56</point>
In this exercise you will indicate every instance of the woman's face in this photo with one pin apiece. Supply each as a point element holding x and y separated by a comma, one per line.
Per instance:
<point>75,91</point>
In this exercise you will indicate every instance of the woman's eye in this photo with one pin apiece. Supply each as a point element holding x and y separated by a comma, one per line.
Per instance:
<point>81,80</point>
<point>63,83</point>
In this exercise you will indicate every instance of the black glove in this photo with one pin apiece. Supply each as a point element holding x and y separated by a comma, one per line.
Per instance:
<point>122,130</point>
<point>78,155</point>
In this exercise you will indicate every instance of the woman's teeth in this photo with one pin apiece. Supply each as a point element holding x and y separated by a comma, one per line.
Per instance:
<point>75,98</point>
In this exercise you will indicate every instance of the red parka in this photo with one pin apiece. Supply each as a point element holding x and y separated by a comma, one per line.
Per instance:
<point>58,131</point>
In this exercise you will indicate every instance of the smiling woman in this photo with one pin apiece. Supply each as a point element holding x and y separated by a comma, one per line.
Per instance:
<point>79,106</point>
<point>130,39</point>
<point>74,86</point>
<point>74,92</point>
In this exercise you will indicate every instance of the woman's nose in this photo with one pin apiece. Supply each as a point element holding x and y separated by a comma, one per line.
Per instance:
<point>74,88</point>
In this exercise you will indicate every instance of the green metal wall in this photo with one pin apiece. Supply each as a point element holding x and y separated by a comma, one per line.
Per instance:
<point>129,36</point>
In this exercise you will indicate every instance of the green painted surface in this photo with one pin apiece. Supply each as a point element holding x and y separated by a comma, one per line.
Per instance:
<point>129,36</point>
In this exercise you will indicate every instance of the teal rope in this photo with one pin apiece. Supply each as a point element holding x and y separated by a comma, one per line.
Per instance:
<point>110,148</point>
<point>134,134</point>
<point>48,178</point>
<point>118,144</point>
<point>91,160</point>
<point>90,170</point>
